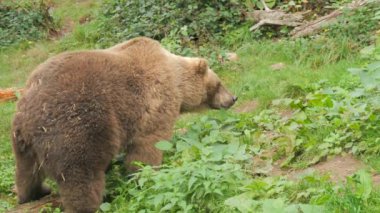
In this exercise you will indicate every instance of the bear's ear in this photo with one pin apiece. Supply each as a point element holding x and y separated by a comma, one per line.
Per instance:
<point>202,66</point>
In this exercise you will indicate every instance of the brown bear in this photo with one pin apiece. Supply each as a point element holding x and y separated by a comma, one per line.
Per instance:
<point>80,109</point>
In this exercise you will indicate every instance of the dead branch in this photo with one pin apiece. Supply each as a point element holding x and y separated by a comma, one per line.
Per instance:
<point>276,17</point>
<point>36,206</point>
<point>315,26</point>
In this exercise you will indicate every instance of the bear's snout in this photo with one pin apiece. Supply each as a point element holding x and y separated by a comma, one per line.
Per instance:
<point>230,103</point>
<point>223,99</point>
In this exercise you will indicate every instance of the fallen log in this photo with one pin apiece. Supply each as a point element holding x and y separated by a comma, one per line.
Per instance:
<point>276,17</point>
<point>52,201</point>
<point>315,26</point>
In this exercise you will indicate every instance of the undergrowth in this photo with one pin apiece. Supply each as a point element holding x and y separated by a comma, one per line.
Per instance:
<point>24,21</point>
<point>183,20</point>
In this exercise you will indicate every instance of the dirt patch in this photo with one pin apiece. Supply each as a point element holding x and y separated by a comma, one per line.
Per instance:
<point>53,200</point>
<point>247,107</point>
<point>67,27</point>
<point>85,19</point>
<point>286,113</point>
<point>338,168</point>
<point>376,179</point>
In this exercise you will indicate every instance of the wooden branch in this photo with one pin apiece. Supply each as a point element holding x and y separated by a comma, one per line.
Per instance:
<point>265,6</point>
<point>276,17</point>
<point>52,201</point>
<point>315,26</point>
<point>273,22</point>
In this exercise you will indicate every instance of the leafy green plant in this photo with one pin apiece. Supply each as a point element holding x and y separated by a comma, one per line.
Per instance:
<point>7,163</point>
<point>319,7</point>
<point>192,187</point>
<point>357,25</point>
<point>332,120</point>
<point>311,193</point>
<point>24,21</point>
<point>182,20</point>
<point>257,4</point>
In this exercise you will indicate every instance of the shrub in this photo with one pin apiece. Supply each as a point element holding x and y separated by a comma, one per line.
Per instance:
<point>24,21</point>
<point>357,25</point>
<point>181,19</point>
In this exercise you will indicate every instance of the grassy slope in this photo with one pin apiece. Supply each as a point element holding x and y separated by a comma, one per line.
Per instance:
<point>257,80</point>
<point>251,78</point>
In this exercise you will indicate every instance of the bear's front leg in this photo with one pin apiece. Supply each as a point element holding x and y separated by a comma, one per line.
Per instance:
<point>143,149</point>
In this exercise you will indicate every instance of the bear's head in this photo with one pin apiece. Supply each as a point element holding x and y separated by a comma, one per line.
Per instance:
<point>204,88</point>
<point>217,95</point>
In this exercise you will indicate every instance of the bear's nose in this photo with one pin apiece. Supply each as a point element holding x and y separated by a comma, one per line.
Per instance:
<point>234,98</point>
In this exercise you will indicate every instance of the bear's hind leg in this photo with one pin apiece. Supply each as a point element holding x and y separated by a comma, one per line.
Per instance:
<point>29,178</point>
<point>81,191</point>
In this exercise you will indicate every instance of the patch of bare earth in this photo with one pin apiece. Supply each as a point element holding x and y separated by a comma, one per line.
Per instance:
<point>53,201</point>
<point>247,107</point>
<point>338,168</point>
<point>286,113</point>
<point>67,27</point>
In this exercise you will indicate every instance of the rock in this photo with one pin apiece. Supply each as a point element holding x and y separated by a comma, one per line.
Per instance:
<point>277,66</point>
<point>228,57</point>
<point>232,56</point>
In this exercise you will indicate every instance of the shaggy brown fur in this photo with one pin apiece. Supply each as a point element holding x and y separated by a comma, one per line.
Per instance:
<point>79,109</point>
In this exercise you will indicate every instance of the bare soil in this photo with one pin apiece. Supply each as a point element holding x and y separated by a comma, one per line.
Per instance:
<point>247,107</point>
<point>338,168</point>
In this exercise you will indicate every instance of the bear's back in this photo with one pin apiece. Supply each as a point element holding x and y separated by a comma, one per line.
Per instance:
<point>77,88</point>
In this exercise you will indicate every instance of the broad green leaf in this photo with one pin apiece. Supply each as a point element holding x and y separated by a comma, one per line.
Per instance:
<point>306,208</point>
<point>243,202</point>
<point>374,66</point>
<point>164,145</point>
<point>366,184</point>
<point>355,71</point>
<point>300,116</point>
<point>359,92</point>
<point>180,145</point>
<point>273,206</point>
<point>105,207</point>
<point>291,208</point>
<point>367,51</point>
<point>233,146</point>
<point>217,152</point>
<point>191,182</point>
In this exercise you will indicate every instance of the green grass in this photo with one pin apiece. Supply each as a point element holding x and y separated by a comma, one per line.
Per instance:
<point>254,79</point>
<point>7,198</point>
<point>73,10</point>
<point>17,63</point>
